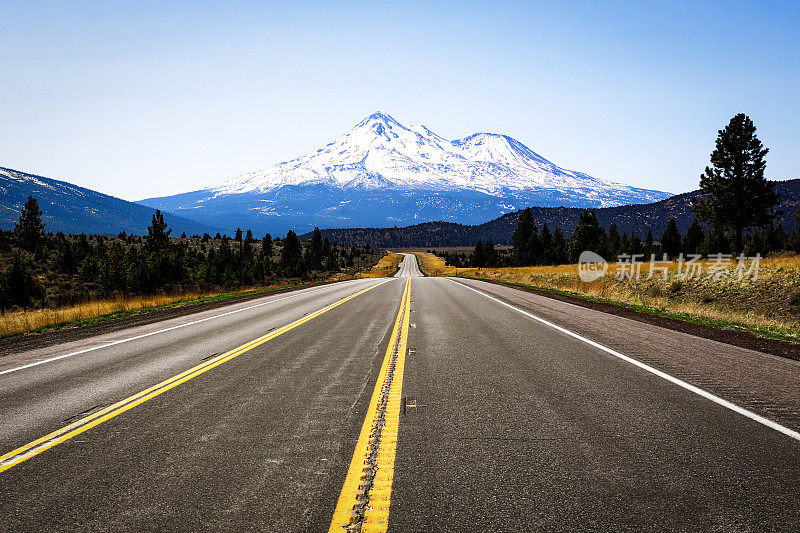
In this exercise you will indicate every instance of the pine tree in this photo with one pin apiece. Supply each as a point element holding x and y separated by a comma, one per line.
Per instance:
<point>671,240</point>
<point>490,254</point>
<point>715,241</point>
<point>533,250</point>
<point>30,229</point>
<point>521,236</point>
<point>612,242</point>
<point>290,252</point>
<point>648,245</point>
<point>559,247</point>
<point>547,241</point>
<point>624,244</point>
<point>478,257</point>
<point>19,285</point>
<point>635,244</point>
<point>737,196</point>
<point>587,235</point>
<point>316,250</point>
<point>693,238</point>
<point>266,246</point>
<point>157,233</point>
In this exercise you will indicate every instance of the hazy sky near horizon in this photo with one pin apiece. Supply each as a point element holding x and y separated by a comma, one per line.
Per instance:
<point>150,98</point>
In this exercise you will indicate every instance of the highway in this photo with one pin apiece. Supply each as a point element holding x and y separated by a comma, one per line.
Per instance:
<point>405,403</point>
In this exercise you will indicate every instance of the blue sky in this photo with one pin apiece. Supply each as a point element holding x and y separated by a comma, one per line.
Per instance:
<point>145,99</point>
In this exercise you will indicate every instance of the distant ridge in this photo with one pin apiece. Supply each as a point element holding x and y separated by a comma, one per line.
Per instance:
<point>629,218</point>
<point>74,209</point>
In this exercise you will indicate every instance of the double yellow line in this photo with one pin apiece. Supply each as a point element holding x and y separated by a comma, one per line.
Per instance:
<point>32,449</point>
<point>366,493</point>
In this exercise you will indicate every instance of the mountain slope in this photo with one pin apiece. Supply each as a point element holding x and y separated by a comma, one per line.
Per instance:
<point>628,218</point>
<point>73,209</point>
<point>383,173</point>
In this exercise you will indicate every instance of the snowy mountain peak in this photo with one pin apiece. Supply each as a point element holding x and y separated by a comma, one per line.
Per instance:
<point>379,117</point>
<point>381,153</point>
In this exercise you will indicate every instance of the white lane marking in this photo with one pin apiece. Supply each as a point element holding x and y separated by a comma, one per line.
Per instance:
<point>705,394</point>
<point>137,337</point>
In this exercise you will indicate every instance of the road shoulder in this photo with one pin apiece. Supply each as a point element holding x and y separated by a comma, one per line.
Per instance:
<point>766,384</point>
<point>742,339</point>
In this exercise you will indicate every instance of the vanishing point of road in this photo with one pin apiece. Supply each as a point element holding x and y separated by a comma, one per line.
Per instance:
<point>408,403</point>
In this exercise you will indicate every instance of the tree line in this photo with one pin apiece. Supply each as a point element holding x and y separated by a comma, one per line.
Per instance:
<point>45,269</point>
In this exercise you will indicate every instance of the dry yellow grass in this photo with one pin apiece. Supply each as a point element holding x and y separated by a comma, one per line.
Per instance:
<point>386,266</point>
<point>23,321</point>
<point>769,305</point>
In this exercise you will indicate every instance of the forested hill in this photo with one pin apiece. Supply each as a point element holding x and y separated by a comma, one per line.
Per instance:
<point>72,209</point>
<point>628,218</point>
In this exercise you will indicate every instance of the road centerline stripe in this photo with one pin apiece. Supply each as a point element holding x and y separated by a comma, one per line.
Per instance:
<point>364,502</point>
<point>672,379</point>
<point>34,448</point>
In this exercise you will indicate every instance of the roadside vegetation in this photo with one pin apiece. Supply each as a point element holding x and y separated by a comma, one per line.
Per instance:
<point>50,279</point>
<point>733,225</point>
<point>768,306</point>
<point>386,266</point>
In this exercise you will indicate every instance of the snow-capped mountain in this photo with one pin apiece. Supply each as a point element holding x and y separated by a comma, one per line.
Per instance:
<point>383,173</point>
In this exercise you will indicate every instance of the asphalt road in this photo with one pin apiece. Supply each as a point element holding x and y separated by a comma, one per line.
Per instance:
<point>408,267</point>
<point>509,424</point>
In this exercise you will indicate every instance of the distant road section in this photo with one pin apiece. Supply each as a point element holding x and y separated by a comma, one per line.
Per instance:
<point>409,267</point>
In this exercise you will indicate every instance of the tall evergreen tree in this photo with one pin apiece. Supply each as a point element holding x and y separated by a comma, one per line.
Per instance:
<point>587,235</point>
<point>648,245</point>
<point>693,238</point>
<point>521,236</point>
<point>558,249</point>
<point>612,242</point>
<point>547,242</point>
<point>737,196</point>
<point>316,249</point>
<point>534,250</point>
<point>266,246</point>
<point>157,232</point>
<point>490,254</point>
<point>624,244</point>
<point>290,252</point>
<point>19,285</point>
<point>671,240</point>
<point>478,259</point>
<point>30,228</point>
<point>715,241</point>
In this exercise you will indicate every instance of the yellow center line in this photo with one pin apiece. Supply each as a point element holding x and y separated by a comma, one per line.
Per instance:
<point>34,448</point>
<point>366,493</point>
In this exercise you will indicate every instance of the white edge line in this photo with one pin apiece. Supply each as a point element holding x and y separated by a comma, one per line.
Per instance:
<point>705,394</point>
<point>137,337</point>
